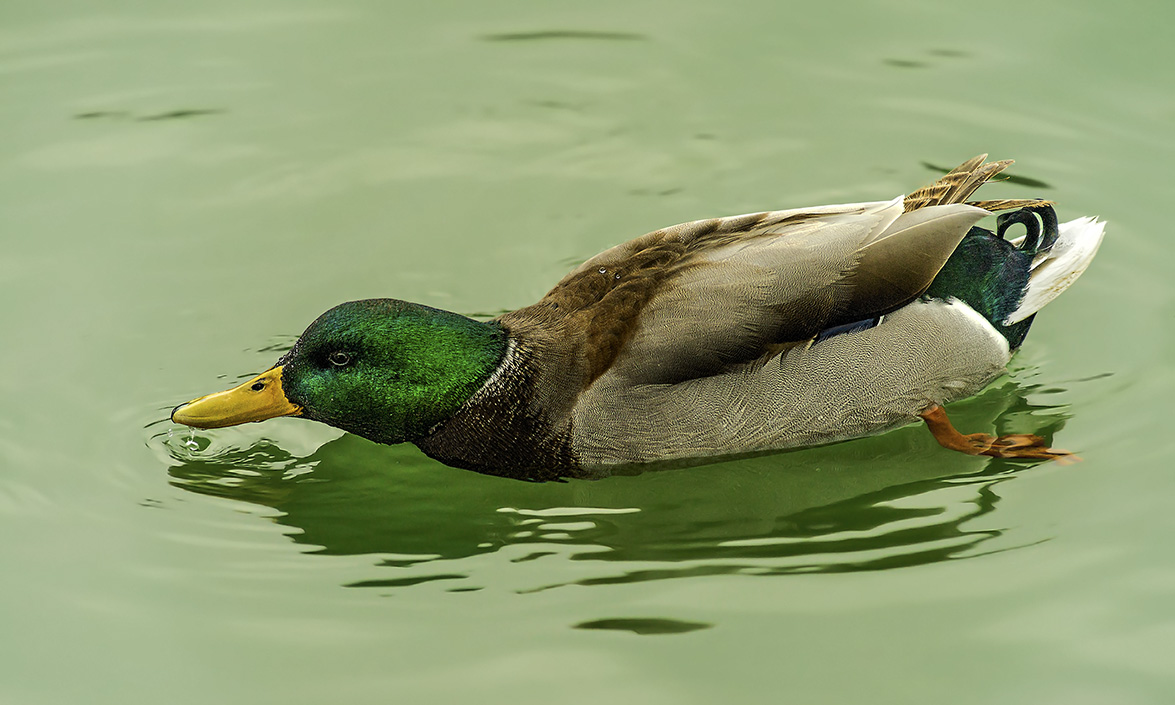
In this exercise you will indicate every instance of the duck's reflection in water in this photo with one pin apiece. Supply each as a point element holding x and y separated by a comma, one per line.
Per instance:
<point>885,502</point>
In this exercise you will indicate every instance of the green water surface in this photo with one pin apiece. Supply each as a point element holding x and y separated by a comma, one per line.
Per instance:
<point>183,187</point>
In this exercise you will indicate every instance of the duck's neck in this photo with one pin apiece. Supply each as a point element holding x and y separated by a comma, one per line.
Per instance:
<point>466,356</point>
<point>473,353</point>
<point>500,430</point>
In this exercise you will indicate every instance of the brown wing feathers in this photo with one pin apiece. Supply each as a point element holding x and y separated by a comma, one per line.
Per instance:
<point>597,308</point>
<point>602,299</point>
<point>962,181</point>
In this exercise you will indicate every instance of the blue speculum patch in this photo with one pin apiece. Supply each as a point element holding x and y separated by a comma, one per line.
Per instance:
<point>854,327</point>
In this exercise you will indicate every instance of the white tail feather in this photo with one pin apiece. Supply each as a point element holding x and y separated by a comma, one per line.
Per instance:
<point>1053,271</point>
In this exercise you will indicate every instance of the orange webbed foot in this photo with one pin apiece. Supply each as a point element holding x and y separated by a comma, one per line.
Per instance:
<point>1022,446</point>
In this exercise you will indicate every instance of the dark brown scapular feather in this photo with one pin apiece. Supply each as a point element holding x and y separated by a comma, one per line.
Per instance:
<point>1007,204</point>
<point>961,182</point>
<point>957,185</point>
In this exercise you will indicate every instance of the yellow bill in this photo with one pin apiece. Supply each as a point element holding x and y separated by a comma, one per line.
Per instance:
<point>256,400</point>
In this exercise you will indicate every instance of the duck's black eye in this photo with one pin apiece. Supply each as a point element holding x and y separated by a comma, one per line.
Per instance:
<point>257,386</point>
<point>339,358</point>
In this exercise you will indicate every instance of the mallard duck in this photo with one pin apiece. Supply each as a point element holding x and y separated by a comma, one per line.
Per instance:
<point>717,337</point>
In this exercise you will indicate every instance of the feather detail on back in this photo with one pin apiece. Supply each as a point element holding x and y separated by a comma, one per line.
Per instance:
<point>961,182</point>
<point>692,299</point>
<point>956,185</point>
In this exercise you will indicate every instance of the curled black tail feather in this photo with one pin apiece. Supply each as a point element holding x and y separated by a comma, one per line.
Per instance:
<point>1036,220</point>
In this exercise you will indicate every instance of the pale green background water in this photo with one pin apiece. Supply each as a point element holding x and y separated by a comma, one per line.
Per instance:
<point>183,190</point>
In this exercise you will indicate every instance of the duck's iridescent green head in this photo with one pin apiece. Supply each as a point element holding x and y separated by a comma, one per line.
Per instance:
<point>384,369</point>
